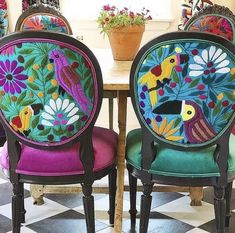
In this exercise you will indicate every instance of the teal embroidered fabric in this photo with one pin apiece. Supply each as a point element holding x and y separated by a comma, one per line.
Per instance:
<point>45,22</point>
<point>47,90</point>
<point>185,90</point>
<point>4,22</point>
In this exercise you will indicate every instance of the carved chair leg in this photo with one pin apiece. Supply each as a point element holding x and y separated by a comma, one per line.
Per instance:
<point>16,208</point>
<point>133,190</point>
<point>196,195</point>
<point>219,205</point>
<point>88,203</point>
<point>145,207</point>
<point>112,195</point>
<point>111,113</point>
<point>23,211</point>
<point>228,193</point>
<point>37,192</point>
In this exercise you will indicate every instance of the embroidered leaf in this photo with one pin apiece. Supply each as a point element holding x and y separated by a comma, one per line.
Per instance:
<point>181,129</point>
<point>165,98</point>
<point>168,127</point>
<point>205,109</point>
<point>217,108</point>
<point>185,70</point>
<point>172,48</point>
<point>159,53</point>
<point>26,51</point>
<point>21,97</point>
<point>213,96</point>
<point>172,131</point>
<point>155,126</point>
<point>49,76</point>
<point>51,90</point>
<point>44,61</point>
<point>175,77</point>
<point>220,78</point>
<point>4,108</point>
<point>29,63</point>
<point>58,131</point>
<point>70,54</point>
<point>150,57</point>
<point>35,74</point>
<point>35,122</point>
<point>162,126</point>
<point>45,132</point>
<point>177,121</point>
<point>145,69</point>
<point>174,138</point>
<point>27,102</point>
<point>194,83</point>
<point>33,86</point>
<point>195,93</point>
<point>169,89</point>
<point>230,96</point>
<point>227,115</point>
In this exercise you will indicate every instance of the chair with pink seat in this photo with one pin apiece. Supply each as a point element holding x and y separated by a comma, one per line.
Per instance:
<point>51,98</point>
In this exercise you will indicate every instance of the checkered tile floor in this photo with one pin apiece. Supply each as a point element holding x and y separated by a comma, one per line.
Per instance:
<point>171,213</point>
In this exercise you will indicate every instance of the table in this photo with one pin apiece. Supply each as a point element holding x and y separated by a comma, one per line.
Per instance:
<point>116,79</point>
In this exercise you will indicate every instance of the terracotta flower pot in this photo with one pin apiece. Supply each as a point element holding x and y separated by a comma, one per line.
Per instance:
<point>125,41</point>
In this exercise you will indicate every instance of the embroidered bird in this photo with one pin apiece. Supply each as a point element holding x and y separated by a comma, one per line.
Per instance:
<point>69,80</point>
<point>196,127</point>
<point>22,122</point>
<point>159,75</point>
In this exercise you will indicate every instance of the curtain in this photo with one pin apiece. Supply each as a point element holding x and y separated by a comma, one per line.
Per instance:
<point>27,3</point>
<point>190,7</point>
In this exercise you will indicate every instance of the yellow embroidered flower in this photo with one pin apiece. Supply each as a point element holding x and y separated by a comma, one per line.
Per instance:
<point>50,67</point>
<point>166,130</point>
<point>54,95</point>
<point>220,96</point>
<point>31,79</point>
<point>40,94</point>
<point>14,98</point>
<point>53,82</point>
<point>36,66</point>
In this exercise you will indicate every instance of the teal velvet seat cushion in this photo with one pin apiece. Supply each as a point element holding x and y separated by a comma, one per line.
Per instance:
<point>169,162</point>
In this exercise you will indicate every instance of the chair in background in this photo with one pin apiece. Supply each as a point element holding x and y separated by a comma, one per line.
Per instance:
<point>50,99</point>
<point>42,17</point>
<point>216,19</point>
<point>182,89</point>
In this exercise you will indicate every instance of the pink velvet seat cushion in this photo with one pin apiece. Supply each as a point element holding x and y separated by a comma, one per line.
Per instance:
<point>67,161</point>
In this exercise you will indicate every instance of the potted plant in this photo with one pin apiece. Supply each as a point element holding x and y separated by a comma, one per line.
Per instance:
<point>124,29</point>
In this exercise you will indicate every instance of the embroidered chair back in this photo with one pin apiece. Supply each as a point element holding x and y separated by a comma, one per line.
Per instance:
<point>4,22</point>
<point>43,18</point>
<point>50,87</point>
<point>218,20</point>
<point>182,87</point>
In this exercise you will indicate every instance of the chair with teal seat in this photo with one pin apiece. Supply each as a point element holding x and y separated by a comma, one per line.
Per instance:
<point>182,90</point>
<point>51,94</point>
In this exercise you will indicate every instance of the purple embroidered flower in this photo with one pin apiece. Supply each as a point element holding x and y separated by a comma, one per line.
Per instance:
<point>11,77</point>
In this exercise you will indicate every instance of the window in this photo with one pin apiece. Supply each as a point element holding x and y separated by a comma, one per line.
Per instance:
<point>89,9</point>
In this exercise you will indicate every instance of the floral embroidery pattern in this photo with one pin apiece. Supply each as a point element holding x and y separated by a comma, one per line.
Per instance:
<point>186,90</point>
<point>11,77</point>
<point>211,61</point>
<point>45,22</point>
<point>33,96</point>
<point>3,18</point>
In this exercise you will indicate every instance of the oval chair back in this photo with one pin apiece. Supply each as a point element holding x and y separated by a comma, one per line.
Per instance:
<point>42,17</point>
<point>215,19</point>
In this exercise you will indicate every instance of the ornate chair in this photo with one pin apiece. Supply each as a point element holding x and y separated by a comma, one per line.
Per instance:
<point>216,19</point>
<point>42,17</point>
<point>51,94</point>
<point>182,89</point>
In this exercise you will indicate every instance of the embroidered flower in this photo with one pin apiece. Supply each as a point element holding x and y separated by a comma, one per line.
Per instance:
<point>211,61</point>
<point>11,77</point>
<point>59,112</point>
<point>34,23</point>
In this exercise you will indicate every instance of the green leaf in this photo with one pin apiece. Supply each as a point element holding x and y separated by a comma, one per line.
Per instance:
<point>175,77</point>
<point>4,108</point>
<point>217,108</point>
<point>35,74</point>
<point>35,122</point>
<point>33,86</point>
<point>51,90</point>
<point>27,102</point>
<point>58,132</point>
<point>177,121</point>
<point>194,83</point>
<point>45,132</point>
<point>70,54</point>
<point>159,53</point>
<point>21,97</point>
<point>29,62</point>
<point>227,115</point>
<point>26,51</point>
<point>145,69</point>
<point>205,109</point>
<point>230,96</point>
<point>44,61</point>
<point>49,76</point>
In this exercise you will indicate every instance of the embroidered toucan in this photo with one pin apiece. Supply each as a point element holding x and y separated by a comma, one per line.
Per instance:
<point>69,80</point>
<point>197,128</point>
<point>22,122</point>
<point>159,75</point>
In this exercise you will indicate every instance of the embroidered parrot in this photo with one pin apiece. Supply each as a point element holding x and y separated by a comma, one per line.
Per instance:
<point>69,80</point>
<point>22,122</point>
<point>197,128</point>
<point>160,75</point>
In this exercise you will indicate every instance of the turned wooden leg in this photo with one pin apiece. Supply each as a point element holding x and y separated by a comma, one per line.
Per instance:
<point>112,195</point>
<point>23,211</point>
<point>133,190</point>
<point>37,192</point>
<point>88,203</point>
<point>145,207</point>
<point>220,209</point>
<point>228,193</point>
<point>196,195</point>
